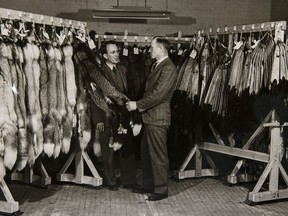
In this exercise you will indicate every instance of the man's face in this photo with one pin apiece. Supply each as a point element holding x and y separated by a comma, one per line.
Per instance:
<point>154,49</point>
<point>112,54</point>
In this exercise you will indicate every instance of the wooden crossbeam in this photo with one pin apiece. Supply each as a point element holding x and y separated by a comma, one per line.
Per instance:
<point>248,154</point>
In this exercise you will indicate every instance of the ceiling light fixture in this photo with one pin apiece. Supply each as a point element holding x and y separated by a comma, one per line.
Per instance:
<point>131,12</point>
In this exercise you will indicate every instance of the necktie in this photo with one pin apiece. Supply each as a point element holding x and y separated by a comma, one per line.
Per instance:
<point>154,66</point>
<point>114,70</point>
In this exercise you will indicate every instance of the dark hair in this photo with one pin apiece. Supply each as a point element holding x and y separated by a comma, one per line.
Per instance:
<point>163,41</point>
<point>103,48</point>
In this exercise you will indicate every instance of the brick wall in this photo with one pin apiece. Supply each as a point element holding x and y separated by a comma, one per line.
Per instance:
<point>207,13</point>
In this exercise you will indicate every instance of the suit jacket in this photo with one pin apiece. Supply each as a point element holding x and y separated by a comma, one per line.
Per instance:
<point>160,85</point>
<point>119,82</point>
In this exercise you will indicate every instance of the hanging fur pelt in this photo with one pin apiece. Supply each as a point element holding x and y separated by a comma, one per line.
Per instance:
<point>103,94</point>
<point>8,135</point>
<point>32,71</point>
<point>61,98</point>
<point>83,111</point>
<point>8,117</point>
<point>50,122</point>
<point>71,95</point>
<point>2,168</point>
<point>92,73</point>
<point>23,147</point>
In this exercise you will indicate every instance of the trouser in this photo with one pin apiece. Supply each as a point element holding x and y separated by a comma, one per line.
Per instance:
<point>127,162</point>
<point>154,158</point>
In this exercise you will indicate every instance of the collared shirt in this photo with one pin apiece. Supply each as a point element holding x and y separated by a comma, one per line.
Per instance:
<point>160,60</point>
<point>110,66</point>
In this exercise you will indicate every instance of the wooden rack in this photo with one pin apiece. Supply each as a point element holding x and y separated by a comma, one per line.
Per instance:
<point>273,160</point>
<point>140,39</point>
<point>30,178</point>
<point>10,206</point>
<point>257,27</point>
<point>40,19</point>
<point>79,177</point>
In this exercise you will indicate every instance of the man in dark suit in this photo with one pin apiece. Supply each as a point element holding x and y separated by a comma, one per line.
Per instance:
<point>115,73</point>
<point>156,114</point>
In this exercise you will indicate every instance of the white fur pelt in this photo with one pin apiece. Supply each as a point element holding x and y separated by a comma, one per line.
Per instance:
<point>8,117</point>
<point>22,112</point>
<point>2,168</point>
<point>31,69</point>
<point>71,95</point>
<point>61,100</point>
<point>84,127</point>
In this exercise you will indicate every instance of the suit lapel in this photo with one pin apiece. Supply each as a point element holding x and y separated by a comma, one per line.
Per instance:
<point>157,68</point>
<point>110,76</point>
<point>123,77</point>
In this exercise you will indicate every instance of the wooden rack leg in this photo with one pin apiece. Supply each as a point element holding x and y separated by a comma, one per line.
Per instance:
<point>198,171</point>
<point>79,178</point>
<point>272,169</point>
<point>232,178</point>
<point>29,177</point>
<point>9,206</point>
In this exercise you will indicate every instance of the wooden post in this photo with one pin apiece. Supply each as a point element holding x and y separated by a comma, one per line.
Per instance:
<point>273,167</point>
<point>79,177</point>
<point>9,206</point>
<point>27,176</point>
<point>232,178</point>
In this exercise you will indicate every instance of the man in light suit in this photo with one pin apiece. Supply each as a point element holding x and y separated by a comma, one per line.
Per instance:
<point>156,114</point>
<point>115,73</point>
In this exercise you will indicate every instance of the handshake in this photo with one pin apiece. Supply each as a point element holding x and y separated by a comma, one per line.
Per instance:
<point>131,105</point>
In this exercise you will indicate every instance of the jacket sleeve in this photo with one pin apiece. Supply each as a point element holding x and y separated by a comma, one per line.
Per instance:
<point>163,85</point>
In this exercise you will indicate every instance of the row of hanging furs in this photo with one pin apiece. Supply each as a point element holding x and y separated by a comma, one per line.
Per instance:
<point>38,95</point>
<point>47,83</point>
<point>210,73</point>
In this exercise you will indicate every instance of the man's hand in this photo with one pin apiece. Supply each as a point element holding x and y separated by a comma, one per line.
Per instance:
<point>100,126</point>
<point>131,105</point>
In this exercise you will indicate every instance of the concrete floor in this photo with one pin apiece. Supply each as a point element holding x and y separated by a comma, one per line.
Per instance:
<point>193,197</point>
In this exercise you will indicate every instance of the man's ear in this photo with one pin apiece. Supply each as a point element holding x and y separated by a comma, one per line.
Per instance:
<point>161,47</point>
<point>105,56</point>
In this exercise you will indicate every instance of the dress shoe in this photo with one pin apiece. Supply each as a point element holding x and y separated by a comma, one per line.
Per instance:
<point>112,187</point>
<point>157,196</point>
<point>142,190</point>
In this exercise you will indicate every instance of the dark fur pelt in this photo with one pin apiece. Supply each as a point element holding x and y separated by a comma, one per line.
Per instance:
<point>93,73</point>
<point>53,117</point>
<point>104,95</point>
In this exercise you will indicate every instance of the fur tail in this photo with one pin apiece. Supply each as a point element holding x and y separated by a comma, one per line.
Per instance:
<point>10,156</point>
<point>85,127</point>
<point>84,139</point>
<point>49,130</point>
<point>57,141</point>
<point>56,150</point>
<point>96,144</point>
<point>67,133</point>
<point>2,169</point>
<point>9,133</point>
<point>97,148</point>
<point>66,145</point>
<point>49,149</point>
<point>31,156</point>
<point>22,149</point>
